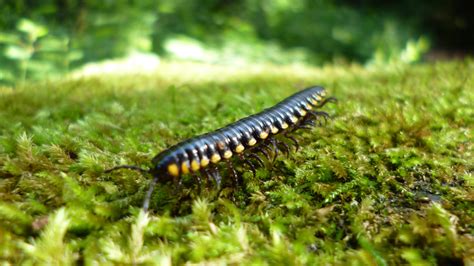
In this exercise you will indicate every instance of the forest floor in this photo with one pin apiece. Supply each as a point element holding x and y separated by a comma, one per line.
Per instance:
<point>388,181</point>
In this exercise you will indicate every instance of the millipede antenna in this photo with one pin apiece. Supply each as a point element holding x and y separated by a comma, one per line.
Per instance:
<point>146,202</point>
<point>131,167</point>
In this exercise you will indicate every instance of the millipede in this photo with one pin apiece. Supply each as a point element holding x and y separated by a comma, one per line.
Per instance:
<point>266,133</point>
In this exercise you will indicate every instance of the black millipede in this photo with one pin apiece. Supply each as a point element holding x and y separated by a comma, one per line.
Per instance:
<point>243,138</point>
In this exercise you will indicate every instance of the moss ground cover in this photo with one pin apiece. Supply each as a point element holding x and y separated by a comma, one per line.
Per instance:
<point>388,181</point>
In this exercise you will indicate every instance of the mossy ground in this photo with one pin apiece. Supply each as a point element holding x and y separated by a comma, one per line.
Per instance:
<point>388,181</point>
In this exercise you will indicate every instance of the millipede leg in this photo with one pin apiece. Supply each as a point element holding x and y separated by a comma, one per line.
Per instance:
<point>233,172</point>
<point>249,163</point>
<point>217,177</point>
<point>305,126</point>
<point>321,114</point>
<point>258,159</point>
<point>177,183</point>
<point>286,148</point>
<point>264,152</point>
<point>205,173</point>
<point>318,114</point>
<point>327,100</point>
<point>198,178</point>
<point>252,167</point>
<point>307,123</point>
<point>297,145</point>
<point>275,148</point>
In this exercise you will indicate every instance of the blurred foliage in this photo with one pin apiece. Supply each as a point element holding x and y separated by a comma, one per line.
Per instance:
<point>31,52</point>
<point>43,39</point>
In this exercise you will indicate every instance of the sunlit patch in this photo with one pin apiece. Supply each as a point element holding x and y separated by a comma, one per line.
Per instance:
<point>240,148</point>
<point>195,165</point>
<point>184,168</point>
<point>252,142</point>
<point>133,63</point>
<point>183,47</point>
<point>215,158</point>
<point>227,154</point>
<point>204,161</point>
<point>173,170</point>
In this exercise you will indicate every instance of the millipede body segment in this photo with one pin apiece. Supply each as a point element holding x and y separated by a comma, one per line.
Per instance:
<point>242,139</point>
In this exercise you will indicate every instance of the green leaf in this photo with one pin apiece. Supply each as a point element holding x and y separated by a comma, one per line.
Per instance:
<point>33,29</point>
<point>9,38</point>
<point>17,52</point>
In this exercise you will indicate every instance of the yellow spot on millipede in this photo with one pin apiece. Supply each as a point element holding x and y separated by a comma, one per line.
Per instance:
<point>227,154</point>
<point>302,112</point>
<point>215,158</point>
<point>252,142</point>
<point>284,125</point>
<point>204,161</point>
<point>294,119</point>
<point>173,170</point>
<point>314,102</point>
<point>184,168</point>
<point>309,107</point>
<point>240,148</point>
<point>263,134</point>
<point>195,165</point>
<point>323,93</point>
<point>274,130</point>
<point>318,98</point>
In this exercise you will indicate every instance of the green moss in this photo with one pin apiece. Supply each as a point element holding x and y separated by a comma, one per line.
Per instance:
<point>388,181</point>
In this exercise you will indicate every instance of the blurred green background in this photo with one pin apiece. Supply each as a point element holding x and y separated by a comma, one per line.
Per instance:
<point>48,38</point>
